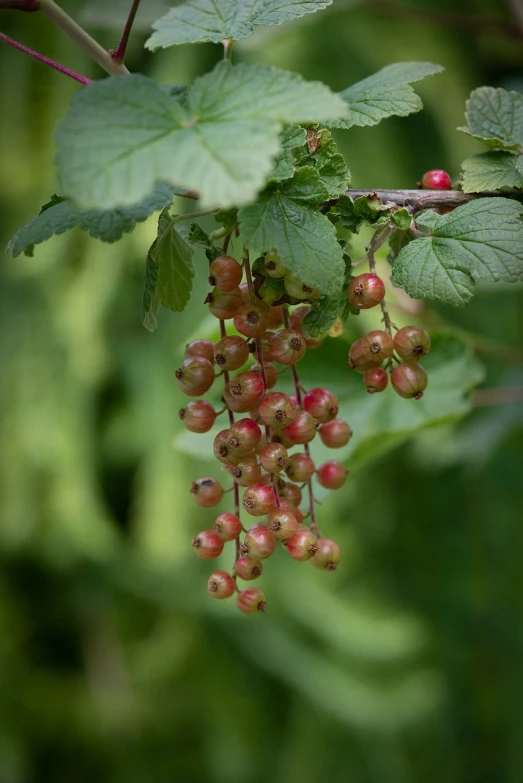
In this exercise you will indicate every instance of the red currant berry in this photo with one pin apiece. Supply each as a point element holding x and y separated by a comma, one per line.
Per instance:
<point>287,346</point>
<point>203,348</point>
<point>290,492</point>
<point>259,542</point>
<point>302,429</point>
<point>285,505</point>
<point>231,353</point>
<point>252,319</point>
<point>274,457</point>
<point>271,373</point>
<point>335,434</point>
<point>248,567</point>
<point>243,436</point>
<point>251,601</point>
<point>365,291</point>
<point>361,357</point>
<point>322,404</point>
<point>258,500</point>
<point>227,526</point>
<point>277,410</point>
<point>243,392</point>
<point>195,376</point>
<point>266,354</point>
<point>328,555</point>
<point>223,450</point>
<point>208,545</point>
<point>412,343</point>
<point>221,585</point>
<point>275,317</point>
<point>198,416</point>
<point>332,474</point>
<point>302,545</point>
<point>297,317</point>
<point>283,524</point>
<point>225,273</point>
<point>207,491</point>
<point>224,305</point>
<point>245,473</point>
<point>437,179</point>
<point>300,467</point>
<point>380,345</point>
<point>409,380</point>
<point>375,379</point>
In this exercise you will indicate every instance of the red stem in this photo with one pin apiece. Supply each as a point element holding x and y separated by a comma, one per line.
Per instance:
<point>118,54</point>
<point>236,489</point>
<point>43,59</point>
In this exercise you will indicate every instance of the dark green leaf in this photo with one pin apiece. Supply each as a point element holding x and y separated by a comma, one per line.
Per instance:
<point>495,117</point>
<point>493,170</point>
<point>365,209</point>
<point>321,152</point>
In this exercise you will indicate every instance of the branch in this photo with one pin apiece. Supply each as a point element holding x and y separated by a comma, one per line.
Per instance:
<point>418,200</point>
<point>43,59</point>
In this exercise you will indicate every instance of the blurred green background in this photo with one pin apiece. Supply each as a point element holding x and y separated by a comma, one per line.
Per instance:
<point>405,664</point>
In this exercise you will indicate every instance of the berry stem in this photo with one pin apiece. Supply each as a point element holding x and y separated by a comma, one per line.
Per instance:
<point>43,59</point>
<point>380,236</point>
<point>118,55</point>
<point>236,489</point>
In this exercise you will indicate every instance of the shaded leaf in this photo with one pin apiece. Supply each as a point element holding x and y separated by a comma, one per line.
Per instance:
<point>495,117</point>
<point>491,171</point>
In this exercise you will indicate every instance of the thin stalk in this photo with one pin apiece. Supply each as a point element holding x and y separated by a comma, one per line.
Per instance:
<point>118,55</point>
<point>227,48</point>
<point>191,215</point>
<point>43,59</point>
<point>223,333</point>
<point>376,242</point>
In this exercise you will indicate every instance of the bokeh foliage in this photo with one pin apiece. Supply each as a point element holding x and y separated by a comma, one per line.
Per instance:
<point>403,665</point>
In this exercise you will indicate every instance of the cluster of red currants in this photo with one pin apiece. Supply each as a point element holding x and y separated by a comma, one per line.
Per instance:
<point>366,355</point>
<point>255,450</point>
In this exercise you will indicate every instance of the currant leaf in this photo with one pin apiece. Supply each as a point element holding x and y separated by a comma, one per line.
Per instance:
<point>120,135</point>
<point>479,240</point>
<point>284,165</point>
<point>493,170</point>
<point>320,151</point>
<point>495,117</point>
<point>328,310</point>
<point>195,21</point>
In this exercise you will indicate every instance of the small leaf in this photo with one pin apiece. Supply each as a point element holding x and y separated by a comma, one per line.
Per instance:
<point>151,296</point>
<point>479,240</point>
<point>328,310</point>
<point>365,209</point>
<point>329,163</point>
<point>120,135</point>
<point>284,164</point>
<point>495,117</point>
<point>197,236</point>
<point>491,171</point>
<point>195,21</point>
<point>385,94</point>
<point>401,218</point>
<point>228,218</point>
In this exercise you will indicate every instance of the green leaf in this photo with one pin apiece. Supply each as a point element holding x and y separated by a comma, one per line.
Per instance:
<point>195,21</point>
<point>325,312</point>
<point>169,272</point>
<point>284,165</point>
<point>304,239</point>
<point>385,94</point>
<point>493,170</point>
<point>120,135</point>
<point>495,117</point>
<point>519,164</point>
<point>479,240</point>
<point>59,215</point>
<point>199,237</point>
<point>365,209</point>
<point>228,218</point>
<point>402,218</point>
<point>320,151</point>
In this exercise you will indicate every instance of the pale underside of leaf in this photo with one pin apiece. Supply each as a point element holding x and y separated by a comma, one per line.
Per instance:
<point>495,117</point>
<point>195,21</point>
<point>491,171</point>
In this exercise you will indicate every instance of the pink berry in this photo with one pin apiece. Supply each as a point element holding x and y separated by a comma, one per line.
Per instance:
<point>409,380</point>
<point>277,410</point>
<point>328,555</point>
<point>225,273</point>
<point>322,404</point>
<point>221,585</point>
<point>283,524</point>
<point>302,429</point>
<point>365,291</point>
<point>290,492</point>
<point>287,346</point>
<point>208,545</point>
<point>375,379</point>
<point>224,305</point>
<point>300,467</point>
<point>207,492</point>
<point>203,348</point>
<point>231,353</point>
<point>227,526</point>
<point>436,179</point>
<point>243,392</point>
<point>380,345</point>
<point>252,319</point>
<point>412,343</point>
<point>361,357</point>
<point>246,473</point>
<point>198,416</point>
<point>275,316</point>
<point>259,542</point>
<point>251,601</point>
<point>248,567</point>
<point>335,434</point>
<point>285,505</point>
<point>274,457</point>
<point>223,451</point>
<point>243,436</point>
<point>332,474</point>
<point>271,373</point>
<point>297,317</point>
<point>195,376</point>
<point>258,500</point>
<point>302,545</point>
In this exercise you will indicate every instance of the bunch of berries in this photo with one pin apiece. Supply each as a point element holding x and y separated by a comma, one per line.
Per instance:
<point>257,450</point>
<point>401,352</point>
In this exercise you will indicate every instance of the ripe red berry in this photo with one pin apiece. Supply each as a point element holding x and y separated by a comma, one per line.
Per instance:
<point>248,567</point>
<point>252,319</point>
<point>300,467</point>
<point>375,379</point>
<point>227,526</point>
<point>335,434</point>
<point>361,357</point>
<point>195,376</point>
<point>436,179</point>
<point>302,429</point>
<point>246,473</point>
<point>380,345</point>
<point>276,410</point>
<point>259,542</point>
<point>297,317</point>
<point>258,500</point>
<point>208,545</point>
<point>283,524</point>
<point>412,343</point>
<point>332,474</point>
<point>287,346</point>
<point>302,545</point>
<point>223,450</point>
<point>322,404</point>
<point>221,585</point>
<point>224,305</point>
<point>365,291</point>
<point>285,505</point>
<point>328,555</point>
<point>275,316</point>
<point>198,416</point>
<point>271,373</point>
<point>243,436</point>
<point>290,492</point>
<point>409,380</point>
<point>225,273</point>
<point>231,353</point>
<point>243,392</point>
<point>251,601</point>
<point>207,491</point>
<point>274,457</point>
<point>203,348</point>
